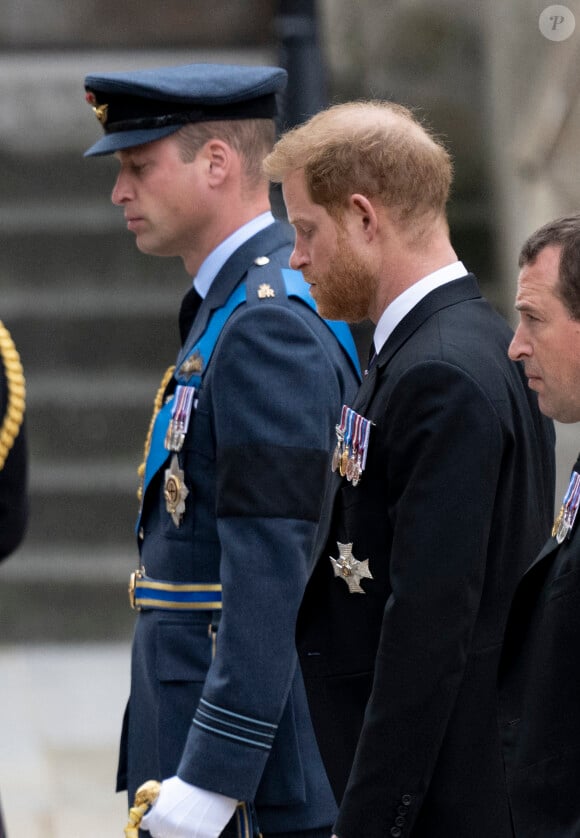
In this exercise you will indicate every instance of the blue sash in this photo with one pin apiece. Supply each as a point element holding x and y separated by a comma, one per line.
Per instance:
<point>296,287</point>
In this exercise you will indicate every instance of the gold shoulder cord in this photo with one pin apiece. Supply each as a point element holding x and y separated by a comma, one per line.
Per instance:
<point>157,405</point>
<point>16,386</point>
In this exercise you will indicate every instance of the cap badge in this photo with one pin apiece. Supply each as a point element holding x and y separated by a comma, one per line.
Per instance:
<point>100,111</point>
<point>350,569</point>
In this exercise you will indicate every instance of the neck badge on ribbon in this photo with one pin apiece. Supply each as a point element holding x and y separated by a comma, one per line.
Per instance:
<point>350,569</point>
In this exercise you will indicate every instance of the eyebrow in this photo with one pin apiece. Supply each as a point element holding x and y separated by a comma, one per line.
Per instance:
<point>528,308</point>
<point>300,220</point>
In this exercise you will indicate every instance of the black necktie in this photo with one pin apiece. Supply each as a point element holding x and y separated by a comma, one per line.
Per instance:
<point>372,358</point>
<point>189,306</point>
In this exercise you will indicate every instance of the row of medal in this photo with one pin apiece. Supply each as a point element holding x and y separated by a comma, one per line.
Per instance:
<point>568,511</point>
<point>352,435</point>
<point>175,491</point>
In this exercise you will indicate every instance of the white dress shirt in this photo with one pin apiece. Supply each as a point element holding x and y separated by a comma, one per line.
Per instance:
<point>405,302</point>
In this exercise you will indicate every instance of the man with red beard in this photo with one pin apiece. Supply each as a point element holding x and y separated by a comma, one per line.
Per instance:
<point>442,490</point>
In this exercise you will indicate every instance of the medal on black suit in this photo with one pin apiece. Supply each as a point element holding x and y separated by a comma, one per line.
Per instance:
<point>567,515</point>
<point>350,455</point>
<point>349,569</point>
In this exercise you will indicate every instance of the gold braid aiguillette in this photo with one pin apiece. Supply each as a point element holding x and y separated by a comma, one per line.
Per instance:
<point>145,797</point>
<point>157,405</point>
<point>16,386</point>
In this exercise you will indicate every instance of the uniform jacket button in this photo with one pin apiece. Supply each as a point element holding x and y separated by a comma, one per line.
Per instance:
<point>400,820</point>
<point>406,798</point>
<point>396,832</point>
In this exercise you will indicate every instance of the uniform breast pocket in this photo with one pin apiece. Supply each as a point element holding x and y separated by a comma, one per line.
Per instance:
<point>197,462</point>
<point>183,651</point>
<point>200,438</point>
<point>183,658</point>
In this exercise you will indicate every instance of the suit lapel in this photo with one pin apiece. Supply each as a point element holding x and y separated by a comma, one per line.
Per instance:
<point>447,295</point>
<point>551,544</point>
<point>457,291</point>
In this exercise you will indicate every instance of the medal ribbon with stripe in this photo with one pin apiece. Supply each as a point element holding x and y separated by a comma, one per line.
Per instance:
<point>567,516</point>
<point>180,416</point>
<point>352,435</point>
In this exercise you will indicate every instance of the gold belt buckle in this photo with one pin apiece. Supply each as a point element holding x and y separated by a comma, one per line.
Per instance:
<point>133,579</point>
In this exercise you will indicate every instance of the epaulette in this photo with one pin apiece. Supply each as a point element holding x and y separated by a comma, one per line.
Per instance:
<point>265,281</point>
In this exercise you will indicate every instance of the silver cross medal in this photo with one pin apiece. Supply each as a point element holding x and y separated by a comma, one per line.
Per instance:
<point>350,569</point>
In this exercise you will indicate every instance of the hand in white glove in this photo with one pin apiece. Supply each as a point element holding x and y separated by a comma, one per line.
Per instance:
<point>185,811</point>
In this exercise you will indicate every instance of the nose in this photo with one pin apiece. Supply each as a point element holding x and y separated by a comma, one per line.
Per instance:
<point>519,346</point>
<point>121,190</point>
<point>297,258</point>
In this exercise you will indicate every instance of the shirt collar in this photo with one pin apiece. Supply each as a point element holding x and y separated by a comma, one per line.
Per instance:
<point>402,305</point>
<point>213,263</point>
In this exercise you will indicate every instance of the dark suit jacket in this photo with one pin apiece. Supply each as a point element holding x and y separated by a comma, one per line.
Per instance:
<point>456,499</point>
<point>13,481</point>
<point>233,717</point>
<point>539,693</point>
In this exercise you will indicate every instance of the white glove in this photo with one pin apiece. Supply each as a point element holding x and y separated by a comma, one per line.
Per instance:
<point>185,811</point>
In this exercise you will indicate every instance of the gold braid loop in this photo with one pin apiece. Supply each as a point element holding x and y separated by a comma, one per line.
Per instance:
<point>157,405</point>
<point>16,386</point>
<point>145,797</point>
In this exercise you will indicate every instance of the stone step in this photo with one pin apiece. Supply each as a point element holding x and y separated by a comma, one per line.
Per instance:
<point>69,261</point>
<point>87,24</point>
<point>94,343</point>
<point>88,418</point>
<point>65,594</point>
<point>82,502</point>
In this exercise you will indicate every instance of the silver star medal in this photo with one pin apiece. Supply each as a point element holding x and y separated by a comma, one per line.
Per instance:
<point>350,569</point>
<point>175,491</point>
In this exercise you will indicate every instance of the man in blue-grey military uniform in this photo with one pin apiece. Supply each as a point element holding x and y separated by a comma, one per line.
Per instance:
<point>236,460</point>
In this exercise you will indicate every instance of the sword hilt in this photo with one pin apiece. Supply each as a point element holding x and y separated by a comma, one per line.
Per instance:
<point>145,797</point>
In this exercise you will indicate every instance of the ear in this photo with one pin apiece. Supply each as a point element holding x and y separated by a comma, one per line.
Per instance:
<point>219,159</point>
<point>365,215</point>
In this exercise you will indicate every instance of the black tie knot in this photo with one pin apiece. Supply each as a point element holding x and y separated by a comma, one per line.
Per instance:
<point>189,307</point>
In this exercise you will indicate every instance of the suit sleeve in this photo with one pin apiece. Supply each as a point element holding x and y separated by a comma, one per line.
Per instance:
<point>276,395</point>
<point>441,444</point>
